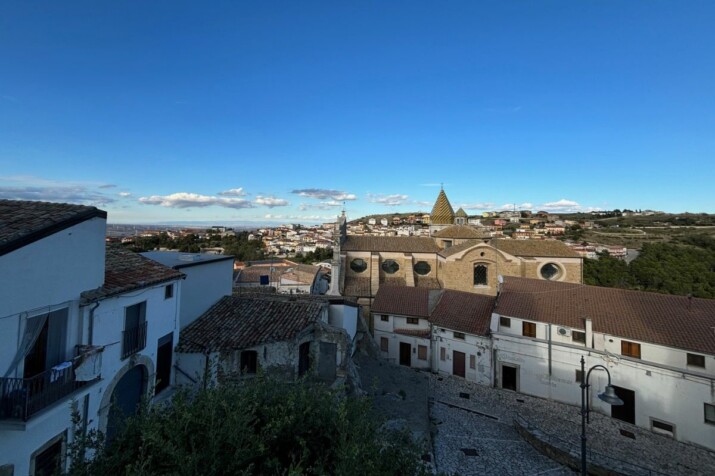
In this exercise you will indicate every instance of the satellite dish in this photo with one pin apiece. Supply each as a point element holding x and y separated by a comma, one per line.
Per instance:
<point>500,278</point>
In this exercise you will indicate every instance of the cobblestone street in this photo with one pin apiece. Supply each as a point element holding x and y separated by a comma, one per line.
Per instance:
<point>470,428</point>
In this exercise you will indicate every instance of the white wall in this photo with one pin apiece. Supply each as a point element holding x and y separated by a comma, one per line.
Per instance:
<point>53,270</point>
<point>666,394</point>
<point>204,285</point>
<point>345,317</point>
<point>471,345</point>
<point>393,351</point>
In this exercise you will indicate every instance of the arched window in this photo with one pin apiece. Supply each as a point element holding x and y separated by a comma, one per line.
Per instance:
<point>358,265</point>
<point>551,271</point>
<point>390,266</point>
<point>422,268</point>
<point>480,275</point>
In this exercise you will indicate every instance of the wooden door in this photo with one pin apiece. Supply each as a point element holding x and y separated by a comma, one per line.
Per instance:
<point>458,366</point>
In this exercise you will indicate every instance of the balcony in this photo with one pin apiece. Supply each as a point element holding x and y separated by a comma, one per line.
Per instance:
<point>133,340</point>
<point>21,398</point>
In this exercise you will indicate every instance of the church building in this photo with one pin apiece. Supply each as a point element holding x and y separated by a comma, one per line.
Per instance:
<point>455,256</point>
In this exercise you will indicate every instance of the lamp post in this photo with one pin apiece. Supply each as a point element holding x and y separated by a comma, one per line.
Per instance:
<point>609,396</point>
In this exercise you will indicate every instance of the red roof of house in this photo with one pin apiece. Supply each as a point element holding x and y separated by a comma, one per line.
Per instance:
<point>464,312</point>
<point>674,321</point>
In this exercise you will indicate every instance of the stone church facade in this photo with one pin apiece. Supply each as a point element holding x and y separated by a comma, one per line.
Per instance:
<point>455,256</point>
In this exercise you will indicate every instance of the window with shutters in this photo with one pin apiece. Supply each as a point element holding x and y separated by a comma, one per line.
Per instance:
<point>630,349</point>
<point>528,329</point>
<point>422,352</point>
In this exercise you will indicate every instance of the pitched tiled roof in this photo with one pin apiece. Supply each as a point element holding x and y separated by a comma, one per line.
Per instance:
<point>430,283</point>
<point>464,232</point>
<point>252,274</point>
<point>673,321</point>
<point>535,248</point>
<point>358,287</point>
<point>236,323</point>
<point>405,301</point>
<point>461,213</point>
<point>413,332</point>
<point>24,222</point>
<point>442,212</point>
<point>453,250</point>
<point>126,271</point>
<point>464,312</point>
<point>404,244</point>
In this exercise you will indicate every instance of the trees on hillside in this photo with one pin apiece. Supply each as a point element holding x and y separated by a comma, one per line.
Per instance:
<point>687,268</point>
<point>261,427</point>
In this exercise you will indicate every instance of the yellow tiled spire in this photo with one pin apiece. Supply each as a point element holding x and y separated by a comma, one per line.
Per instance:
<point>442,212</point>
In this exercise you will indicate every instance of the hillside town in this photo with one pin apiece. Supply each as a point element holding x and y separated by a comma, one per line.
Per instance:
<point>92,328</point>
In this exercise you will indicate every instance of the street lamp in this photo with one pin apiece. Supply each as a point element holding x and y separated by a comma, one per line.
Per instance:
<point>609,396</point>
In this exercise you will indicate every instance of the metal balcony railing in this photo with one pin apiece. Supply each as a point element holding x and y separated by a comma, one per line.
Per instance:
<point>133,340</point>
<point>21,398</point>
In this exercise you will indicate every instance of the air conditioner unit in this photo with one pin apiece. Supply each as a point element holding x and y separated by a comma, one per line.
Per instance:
<point>564,331</point>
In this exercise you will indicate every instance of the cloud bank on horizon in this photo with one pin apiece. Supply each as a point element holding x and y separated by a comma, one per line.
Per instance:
<point>238,201</point>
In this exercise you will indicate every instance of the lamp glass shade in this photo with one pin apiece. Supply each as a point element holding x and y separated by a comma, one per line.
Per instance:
<point>609,396</point>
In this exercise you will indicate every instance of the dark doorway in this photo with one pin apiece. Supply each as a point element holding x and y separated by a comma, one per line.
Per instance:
<point>126,398</point>
<point>303,358</point>
<point>327,363</point>
<point>508,377</point>
<point>405,354</point>
<point>249,362</point>
<point>458,359</point>
<point>627,411</point>
<point>163,362</point>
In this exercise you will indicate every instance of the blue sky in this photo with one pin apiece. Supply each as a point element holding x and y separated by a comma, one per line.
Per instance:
<point>285,111</point>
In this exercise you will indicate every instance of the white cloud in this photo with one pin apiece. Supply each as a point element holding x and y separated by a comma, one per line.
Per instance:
<point>270,216</point>
<point>320,206</point>
<point>518,206</point>
<point>124,194</point>
<point>387,200</point>
<point>233,192</point>
<point>324,194</point>
<point>194,200</point>
<point>562,205</point>
<point>271,202</point>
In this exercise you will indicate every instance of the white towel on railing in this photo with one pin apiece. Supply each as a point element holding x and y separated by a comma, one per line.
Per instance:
<point>90,366</point>
<point>59,371</point>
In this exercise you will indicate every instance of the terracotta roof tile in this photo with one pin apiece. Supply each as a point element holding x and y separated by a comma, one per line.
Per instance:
<point>413,332</point>
<point>404,244</point>
<point>358,287</point>
<point>24,222</point>
<point>461,232</point>
<point>236,323</point>
<point>453,250</point>
<point>535,248</point>
<point>464,312</point>
<point>126,271</point>
<point>402,300</point>
<point>668,320</point>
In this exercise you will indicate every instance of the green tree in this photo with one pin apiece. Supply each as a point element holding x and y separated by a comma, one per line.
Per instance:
<point>260,427</point>
<point>607,271</point>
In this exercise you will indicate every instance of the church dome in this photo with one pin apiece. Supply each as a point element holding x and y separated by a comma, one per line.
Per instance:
<point>442,212</point>
<point>461,213</point>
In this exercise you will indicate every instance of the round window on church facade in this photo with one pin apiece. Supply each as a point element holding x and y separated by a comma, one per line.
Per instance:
<point>550,271</point>
<point>422,268</point>
<point>358,265</point>
<point>390,266</point>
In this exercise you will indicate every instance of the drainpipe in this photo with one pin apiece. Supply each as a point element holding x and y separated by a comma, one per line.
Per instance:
<point>549,331</point>
<point>91,323</point>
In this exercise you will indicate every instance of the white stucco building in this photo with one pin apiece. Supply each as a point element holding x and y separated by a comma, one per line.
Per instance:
<point>659,349</point>
<point>208,278</point>
<point>77,326</point>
